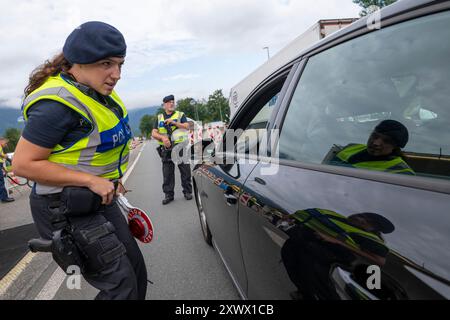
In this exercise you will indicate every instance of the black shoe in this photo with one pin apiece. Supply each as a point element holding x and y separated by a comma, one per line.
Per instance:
<point>8,200</point>
<point>167,199</point>
<point>188,196</point>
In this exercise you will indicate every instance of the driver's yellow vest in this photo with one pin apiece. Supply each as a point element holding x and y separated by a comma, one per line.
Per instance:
<point>104,151</point>
<point>394,165</point>
<point>178,135</point>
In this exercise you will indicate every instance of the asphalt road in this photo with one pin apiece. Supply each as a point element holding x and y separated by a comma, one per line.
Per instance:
<point>179,263</point>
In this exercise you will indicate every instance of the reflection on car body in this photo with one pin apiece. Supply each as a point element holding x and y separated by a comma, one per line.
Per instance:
<point>318,227</point>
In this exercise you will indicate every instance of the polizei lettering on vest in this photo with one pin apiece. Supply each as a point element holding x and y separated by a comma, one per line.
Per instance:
<point>187,310</point>
<point>118,138</point>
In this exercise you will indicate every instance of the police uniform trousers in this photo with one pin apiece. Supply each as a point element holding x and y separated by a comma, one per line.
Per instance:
<point>3,192</point>
<point>168,167</point>
<point>124,278</point>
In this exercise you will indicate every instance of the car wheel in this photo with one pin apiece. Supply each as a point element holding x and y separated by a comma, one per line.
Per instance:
<point>203,222</point>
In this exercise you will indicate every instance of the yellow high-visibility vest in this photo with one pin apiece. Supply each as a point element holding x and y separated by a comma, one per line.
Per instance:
<point>104,151</point>
<point>2,154</point>
<point>394,165</point>
<point>178,135</point>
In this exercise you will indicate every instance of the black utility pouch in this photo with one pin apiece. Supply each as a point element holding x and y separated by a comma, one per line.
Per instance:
<point>79,201</point>
<point>159,150</point>
<point>99,244</point>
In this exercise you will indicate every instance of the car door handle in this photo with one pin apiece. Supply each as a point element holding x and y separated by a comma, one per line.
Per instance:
<point>230,199</point>
<point>348,288</point>
<point>260,181</point>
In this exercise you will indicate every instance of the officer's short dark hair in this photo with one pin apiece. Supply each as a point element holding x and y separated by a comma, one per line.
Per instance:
<point>395,130</point>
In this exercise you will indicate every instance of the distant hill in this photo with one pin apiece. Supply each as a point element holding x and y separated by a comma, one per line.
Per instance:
<point>8,118</point>
<point>136,115</point>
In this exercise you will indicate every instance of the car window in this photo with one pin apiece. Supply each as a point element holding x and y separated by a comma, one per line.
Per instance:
<point>373,88</point>
<point>247,142</point>
<point>252,128</point>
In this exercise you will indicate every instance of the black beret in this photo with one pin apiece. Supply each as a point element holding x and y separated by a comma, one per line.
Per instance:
<point>168,98</point>
<point>93,41</point>
<point>395,130</point>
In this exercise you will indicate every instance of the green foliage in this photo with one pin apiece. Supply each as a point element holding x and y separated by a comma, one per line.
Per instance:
<point>13,135</point>
<point>188,106</point>
<point>214,109</point>
<point>146,124</point>
<point>217,107</point>
<point>365,4</point>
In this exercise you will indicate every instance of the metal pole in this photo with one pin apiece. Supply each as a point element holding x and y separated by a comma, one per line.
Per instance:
<point>195,105</point>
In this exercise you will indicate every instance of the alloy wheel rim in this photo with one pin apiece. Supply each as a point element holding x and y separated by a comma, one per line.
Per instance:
<point>202,213</point>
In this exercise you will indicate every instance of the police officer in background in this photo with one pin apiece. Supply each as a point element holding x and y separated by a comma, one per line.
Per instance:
<point>4,197</point>
<point>75,146</point>
<point>170,129</point>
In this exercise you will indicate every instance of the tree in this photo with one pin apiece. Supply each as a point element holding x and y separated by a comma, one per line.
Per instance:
<point>365,4</point>
<point>146,124</point>
<point>188,105</point>
<point>13,135</point>
<point>217,108</point>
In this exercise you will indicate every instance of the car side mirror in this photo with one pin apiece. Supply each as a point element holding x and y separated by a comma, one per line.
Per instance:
<point>208,149</point>
<point>203,152</point>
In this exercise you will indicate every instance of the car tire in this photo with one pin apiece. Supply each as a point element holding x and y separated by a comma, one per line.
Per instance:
<point>202,215</point>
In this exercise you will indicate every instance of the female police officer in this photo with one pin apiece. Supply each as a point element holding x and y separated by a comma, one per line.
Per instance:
<point>77,135</point>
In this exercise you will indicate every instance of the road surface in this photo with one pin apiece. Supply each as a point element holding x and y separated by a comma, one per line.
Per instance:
<point>179,263</point>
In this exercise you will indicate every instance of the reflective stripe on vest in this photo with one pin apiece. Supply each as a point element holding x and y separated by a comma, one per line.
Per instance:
<point>178,135</point>
<point>395,165</point>
<point>104,151</point>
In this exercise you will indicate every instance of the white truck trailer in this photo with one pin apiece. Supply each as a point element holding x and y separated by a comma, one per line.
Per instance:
<point>318,31</point>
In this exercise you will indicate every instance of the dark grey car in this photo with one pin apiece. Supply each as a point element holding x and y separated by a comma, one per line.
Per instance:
<point>291,224</point>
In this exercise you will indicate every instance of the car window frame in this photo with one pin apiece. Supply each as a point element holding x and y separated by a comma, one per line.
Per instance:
<point>242,114</point>
<point>416,182</point>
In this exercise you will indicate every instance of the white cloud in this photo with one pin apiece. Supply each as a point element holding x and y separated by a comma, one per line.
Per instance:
<point>159,33</point>
<point>181,77</point>
<point>149,98</point>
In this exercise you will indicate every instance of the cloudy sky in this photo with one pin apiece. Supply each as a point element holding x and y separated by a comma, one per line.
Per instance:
<point>185,47</point>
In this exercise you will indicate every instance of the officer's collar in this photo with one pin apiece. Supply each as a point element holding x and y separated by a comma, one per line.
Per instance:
<point>82,87</point>
<point>169,114</point>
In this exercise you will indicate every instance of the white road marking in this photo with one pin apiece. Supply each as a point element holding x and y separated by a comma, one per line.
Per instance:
<point>12,275</point>
<point>49,290</point>
<point>127,174</point>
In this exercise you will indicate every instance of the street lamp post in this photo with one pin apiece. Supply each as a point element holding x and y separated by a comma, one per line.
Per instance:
<point>194,104</point>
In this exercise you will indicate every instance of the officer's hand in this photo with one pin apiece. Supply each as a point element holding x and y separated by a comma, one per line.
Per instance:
<point>103,187</point>
<point>121,189</point>
<point>169,121</point>
<point>166,142</point>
